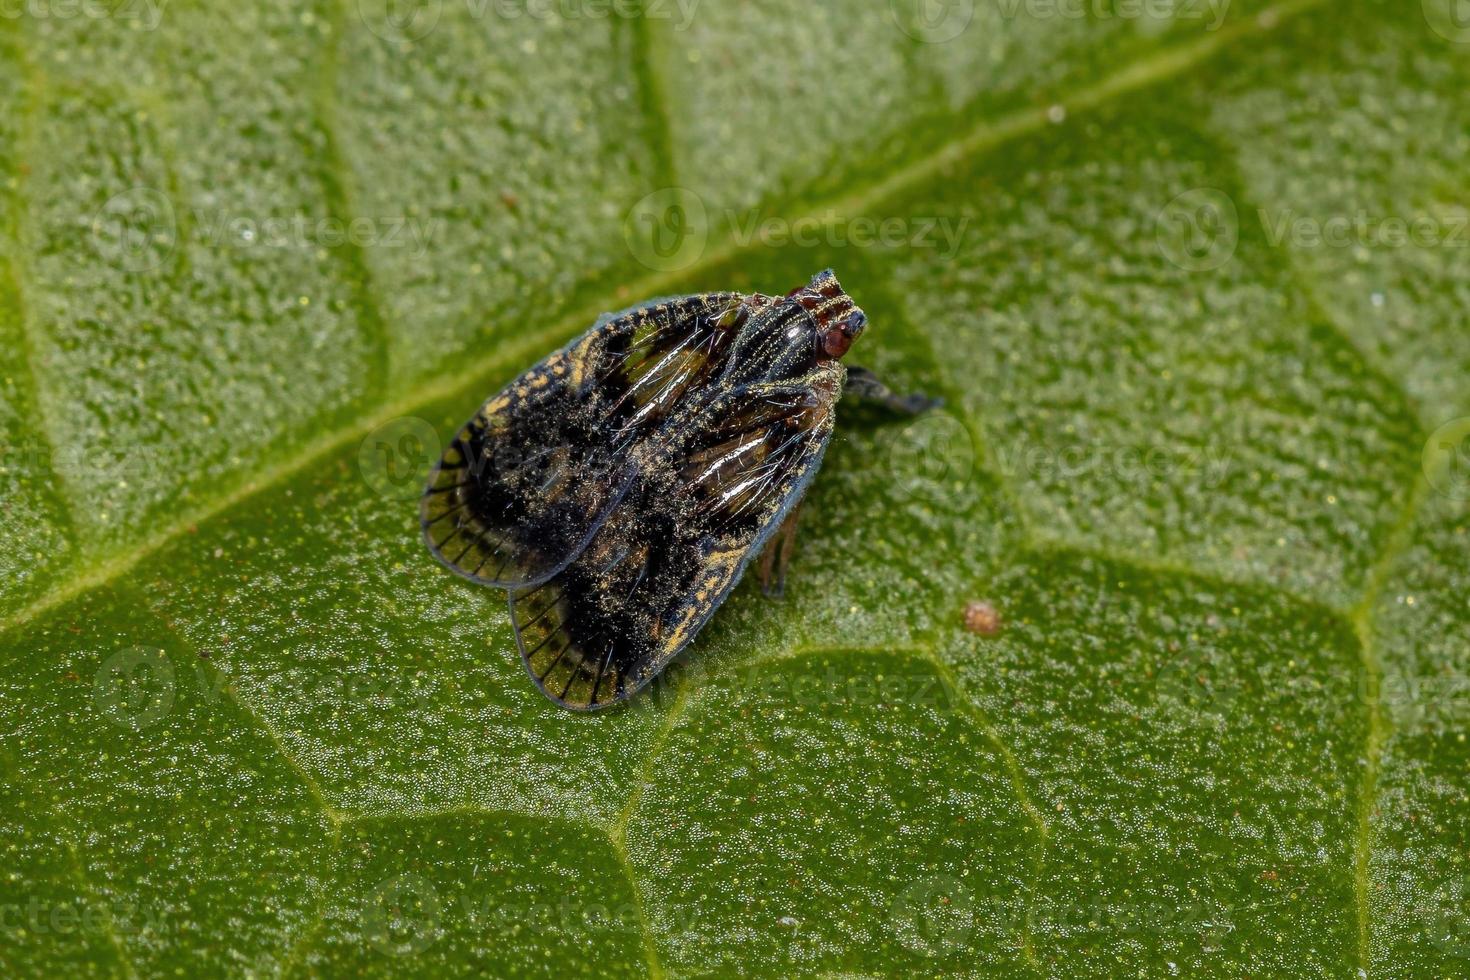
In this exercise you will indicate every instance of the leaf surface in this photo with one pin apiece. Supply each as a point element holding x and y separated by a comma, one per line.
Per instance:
<point>256,258</point>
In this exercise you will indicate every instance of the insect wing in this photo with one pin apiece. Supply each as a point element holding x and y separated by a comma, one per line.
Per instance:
<point>528,480</point>
<point>717,485</point>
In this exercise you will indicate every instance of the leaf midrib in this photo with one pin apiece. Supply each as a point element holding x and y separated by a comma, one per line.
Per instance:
<point>982,136</point>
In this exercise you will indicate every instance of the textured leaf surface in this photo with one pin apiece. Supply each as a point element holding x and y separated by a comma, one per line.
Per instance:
<point>256,258</point>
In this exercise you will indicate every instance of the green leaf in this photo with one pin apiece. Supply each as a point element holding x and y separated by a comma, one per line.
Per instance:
<point>1193,289</point>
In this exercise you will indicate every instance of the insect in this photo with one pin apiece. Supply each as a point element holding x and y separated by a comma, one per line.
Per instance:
<point>618,489</point>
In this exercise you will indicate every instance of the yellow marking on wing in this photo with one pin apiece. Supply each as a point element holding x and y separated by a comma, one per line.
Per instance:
<point>721,569</point>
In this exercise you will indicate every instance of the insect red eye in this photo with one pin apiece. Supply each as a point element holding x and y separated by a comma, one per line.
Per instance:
<point>835,342</point>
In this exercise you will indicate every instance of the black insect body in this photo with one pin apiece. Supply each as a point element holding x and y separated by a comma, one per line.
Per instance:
<point>619,488</point>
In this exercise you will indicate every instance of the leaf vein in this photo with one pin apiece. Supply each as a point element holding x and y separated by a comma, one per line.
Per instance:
<point>43,406</point>
<point>336,180</point>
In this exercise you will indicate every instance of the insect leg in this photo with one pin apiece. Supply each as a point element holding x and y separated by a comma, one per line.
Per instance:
<point>864,385</point>
<point>785,540</point>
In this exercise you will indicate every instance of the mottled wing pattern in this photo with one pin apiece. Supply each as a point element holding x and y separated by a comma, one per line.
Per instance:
<point>703,496</point>
<point>526,482</point>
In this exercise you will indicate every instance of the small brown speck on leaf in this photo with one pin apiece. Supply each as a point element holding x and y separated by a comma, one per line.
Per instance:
<point>981,617</point>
